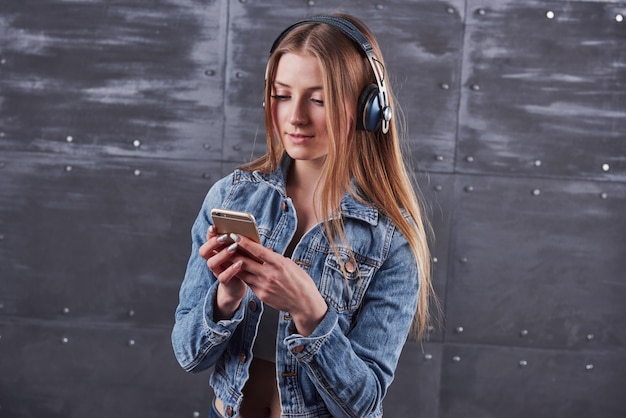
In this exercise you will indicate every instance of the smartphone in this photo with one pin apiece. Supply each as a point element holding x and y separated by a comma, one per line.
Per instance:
<point>235,222</point>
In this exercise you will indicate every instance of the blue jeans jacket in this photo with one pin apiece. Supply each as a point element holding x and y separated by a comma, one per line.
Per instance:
<point>343,369</point>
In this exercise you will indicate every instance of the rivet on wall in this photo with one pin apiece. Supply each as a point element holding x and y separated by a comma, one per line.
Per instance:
<point>195,414</point>
<point>428,357</point>
<point>2,164</point>
<point>136,143</point>
<point>69,139</point>
<point>523,363</point>
<point>459,330</point>
<point>469,189</point>
<point>481,12</point>
<point>469,159</point>
<point>590,337</point>
<point>131,313</point>
<point>456,359</point>
<point>536,192</point>
<point>435,260</point>
<point>589,367</point>
<point>604,195</point>
<point>438,188</point>
<point>137,172</point>
<point>131,343</point>
<point>68,168</point>
<point>209,73</point>
<point>439,157</point>
<point>65,340</point>
<point>550,14</point>
<point>475,87</point>
<point>523,333</point>
<point>463,260</point>
<point>444,86</point>
<point>380,6</point>
<point>207,146</point>
<point>311,3</point>
<point>65,310</point>
<point>537,163</point>
<point>619,18</point>
<point>605,167</point>
<point>450,10</point>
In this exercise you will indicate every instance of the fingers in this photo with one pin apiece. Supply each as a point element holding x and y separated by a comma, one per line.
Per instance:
<point>251,249</point>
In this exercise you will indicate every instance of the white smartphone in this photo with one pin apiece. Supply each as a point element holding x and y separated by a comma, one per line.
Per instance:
<point>228,221</point>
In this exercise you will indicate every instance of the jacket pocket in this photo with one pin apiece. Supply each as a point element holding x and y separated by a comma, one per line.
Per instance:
<point>345,293</point>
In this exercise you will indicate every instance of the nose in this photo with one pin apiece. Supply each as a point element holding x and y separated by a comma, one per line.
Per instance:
<point>298,115</point>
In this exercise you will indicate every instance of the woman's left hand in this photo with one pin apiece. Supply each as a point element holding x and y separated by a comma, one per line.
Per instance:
<point>282,284</point>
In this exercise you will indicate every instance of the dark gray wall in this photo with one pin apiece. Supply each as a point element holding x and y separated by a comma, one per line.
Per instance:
<point>117,116</point>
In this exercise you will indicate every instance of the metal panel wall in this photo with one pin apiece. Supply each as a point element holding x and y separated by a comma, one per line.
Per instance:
<point>116,117</point>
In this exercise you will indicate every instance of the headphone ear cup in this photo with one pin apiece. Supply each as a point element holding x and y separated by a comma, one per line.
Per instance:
<point>368,110</point>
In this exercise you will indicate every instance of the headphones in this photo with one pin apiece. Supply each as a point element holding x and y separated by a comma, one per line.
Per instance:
<point>373,110</point>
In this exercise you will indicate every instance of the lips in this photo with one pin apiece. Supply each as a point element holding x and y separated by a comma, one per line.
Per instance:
<point>298,138</point>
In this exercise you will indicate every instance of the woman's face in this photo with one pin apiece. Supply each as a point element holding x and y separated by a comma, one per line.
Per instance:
<point>298,108</point>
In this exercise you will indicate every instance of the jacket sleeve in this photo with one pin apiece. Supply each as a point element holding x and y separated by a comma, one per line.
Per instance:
<point>352,371</point>
<point>197,340</point>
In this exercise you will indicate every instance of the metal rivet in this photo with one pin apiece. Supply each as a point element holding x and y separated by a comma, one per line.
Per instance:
<point>469,159</point>
<point>605,167</point>
<point>68,168</point>
<point>206,176</point>
<point>550,14</point>
<point>131,313</point>
<point>243,1</point>
<point>131,343</point>
<point>439,157</point>
<point>69,138</point>
<point>456,359</point>
<point>536,192</point>
<point>136,143</point>
<point>604,195</point>
<point>428,356</point>
<point>481,12</point>
<point>450,10</point>
<point>2,164</point>
<point>196,414</point>
<point>311,3</point>
<point>431,328</point>
<point>239,74</point>
<point>66,310</point>
<point>590,337</point>
<point>380,6</point>
<point>438,188</point>
<point>523,363</point>
<point>237,147</point>
<point>65,340</point>
<point>537,163</point>
<point>435,260</point>
<point>459,330</point>
<point>444,86</point>
<point>209,73</point>
<point>3,61</point>
<point>589,367</point>
<point>137,172</point>
<point>464,260</point>
<point>206,146</point>
<point>619,18</point>
<point>475,87</point>
<point>469,189</point>
<point>1,239</point>
<point>523,332</point>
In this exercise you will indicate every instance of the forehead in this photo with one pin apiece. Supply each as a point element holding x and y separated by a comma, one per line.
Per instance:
<point>298,70</point>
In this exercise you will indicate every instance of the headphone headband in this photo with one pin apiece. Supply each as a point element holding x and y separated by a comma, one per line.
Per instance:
<point>383,112</point>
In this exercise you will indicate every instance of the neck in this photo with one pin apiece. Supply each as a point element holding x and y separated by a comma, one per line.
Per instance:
<point>304,176</point>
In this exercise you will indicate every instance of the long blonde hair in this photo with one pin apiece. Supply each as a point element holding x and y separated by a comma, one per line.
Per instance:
<point>375,161</point>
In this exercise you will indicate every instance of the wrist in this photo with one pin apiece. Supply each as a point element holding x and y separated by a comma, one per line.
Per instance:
<point>225,305</point>
<point>306,320</point>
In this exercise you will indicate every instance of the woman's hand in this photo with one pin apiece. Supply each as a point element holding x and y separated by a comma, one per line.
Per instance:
<point>231,289</point>
<point>277,281</point>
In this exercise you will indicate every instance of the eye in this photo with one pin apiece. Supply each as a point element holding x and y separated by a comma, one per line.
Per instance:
<point>280,97</point>
<point>318,101</point>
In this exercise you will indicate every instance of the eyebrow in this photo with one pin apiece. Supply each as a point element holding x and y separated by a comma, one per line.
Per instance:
<point>280,84</point>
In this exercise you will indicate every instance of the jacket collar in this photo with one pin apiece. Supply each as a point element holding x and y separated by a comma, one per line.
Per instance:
<point>351,205</point>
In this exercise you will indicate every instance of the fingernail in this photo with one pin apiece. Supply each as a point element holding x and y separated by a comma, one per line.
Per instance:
<point>211,229</point>
<point>237,265</point>
<point>233,247</point>
<point>222,238</point>
<point>235,237</point>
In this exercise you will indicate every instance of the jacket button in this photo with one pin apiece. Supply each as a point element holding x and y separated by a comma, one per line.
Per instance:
<point>243,357</point>
<point>298,349</point>
<point>229,411</point>
<point>252,305</point>
<point>350,266</point>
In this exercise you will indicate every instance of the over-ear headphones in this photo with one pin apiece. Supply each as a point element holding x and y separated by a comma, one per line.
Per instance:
<point>373,110</point>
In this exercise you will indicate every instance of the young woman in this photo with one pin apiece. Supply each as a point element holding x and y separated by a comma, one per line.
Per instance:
<point>316,328</point>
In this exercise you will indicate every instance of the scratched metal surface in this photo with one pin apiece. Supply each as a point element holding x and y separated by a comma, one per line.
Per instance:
<point>551,98</point>
<point>110,74</point>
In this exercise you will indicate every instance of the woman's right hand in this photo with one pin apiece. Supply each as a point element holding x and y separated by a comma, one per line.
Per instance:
<point>231,289</point>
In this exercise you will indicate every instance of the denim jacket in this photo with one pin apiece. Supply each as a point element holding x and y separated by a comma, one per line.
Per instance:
<point>343,369</point>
